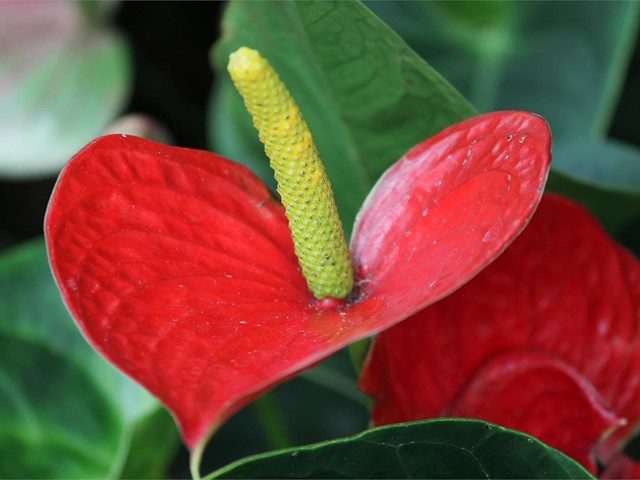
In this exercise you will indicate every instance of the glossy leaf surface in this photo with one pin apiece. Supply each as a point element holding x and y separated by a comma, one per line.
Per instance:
<point>179,265</point>
<point>431,449</point>
<point>603,175</point>
<point>526,54</point>
<point>367,97</point>
<point>556,312</point>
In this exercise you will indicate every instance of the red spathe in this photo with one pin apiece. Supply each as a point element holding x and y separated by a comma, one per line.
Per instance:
<point>179,267</point>
<point>544,340</point>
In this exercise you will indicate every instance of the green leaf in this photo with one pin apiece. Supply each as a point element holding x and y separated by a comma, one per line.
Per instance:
<point>55,422</point>
<point>563,60</point>
<point>602,175</point>
<point>62,80</point>
<point>64,411</point>
<point>365,94</point>
<point>153,446</point>
<point>231,132</point>
<point>609,164</point>
<point>439,448</point>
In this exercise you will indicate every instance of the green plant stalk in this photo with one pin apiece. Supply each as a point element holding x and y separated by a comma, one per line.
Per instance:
<point>274,426</point>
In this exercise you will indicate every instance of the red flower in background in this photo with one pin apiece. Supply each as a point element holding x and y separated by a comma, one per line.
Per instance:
<point>179,265</point>
<point>545,340</point>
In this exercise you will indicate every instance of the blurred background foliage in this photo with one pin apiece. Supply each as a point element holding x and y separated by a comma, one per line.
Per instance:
<point>70,71</point>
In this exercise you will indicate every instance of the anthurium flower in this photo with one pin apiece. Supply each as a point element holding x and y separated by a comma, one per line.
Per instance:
<point>180,267</point>
<point>545,340</point>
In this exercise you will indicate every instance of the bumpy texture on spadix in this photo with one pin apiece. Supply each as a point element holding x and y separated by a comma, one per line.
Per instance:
<point>545,340</point>
<point>179,265</point>
<point>302,181</point>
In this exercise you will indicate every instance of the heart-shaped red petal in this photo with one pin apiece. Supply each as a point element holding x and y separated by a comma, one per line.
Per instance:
<point>563,288</point>
<point>180,269</point>
<point>165,256</point>
<point>450,206</point>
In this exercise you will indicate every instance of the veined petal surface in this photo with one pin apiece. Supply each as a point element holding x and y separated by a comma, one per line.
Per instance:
<point>451,205</point>
<point>165,257</point>
<point>179,267</point>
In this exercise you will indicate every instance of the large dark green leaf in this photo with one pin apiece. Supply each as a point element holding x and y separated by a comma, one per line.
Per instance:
<point>430,449</point>
<point>563,60</point>
<point>63,78</point>
<point>64,411</point>
<point>366,95</point>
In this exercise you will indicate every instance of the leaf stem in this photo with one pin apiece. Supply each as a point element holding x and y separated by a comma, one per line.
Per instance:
<point>334,381</point>
<point>274,426</point>
<point>195,460</point>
